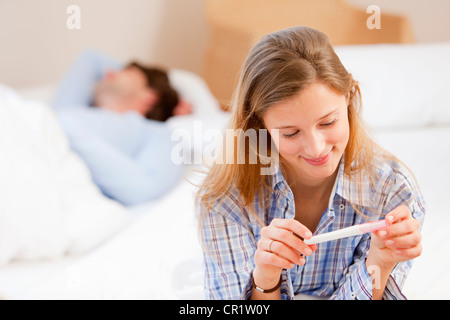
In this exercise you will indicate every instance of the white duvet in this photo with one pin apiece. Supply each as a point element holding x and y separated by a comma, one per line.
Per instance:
<point>48,205</point>
<point>157,257</point>
<point>66,240</point>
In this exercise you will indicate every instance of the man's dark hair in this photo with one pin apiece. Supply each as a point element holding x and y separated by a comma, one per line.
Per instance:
<point>158,80</point>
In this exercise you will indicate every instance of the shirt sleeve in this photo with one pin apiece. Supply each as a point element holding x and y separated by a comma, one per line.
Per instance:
<point>130,179</point>
<point>404,191</point>
<point>357,283</point>
<point>286,289</point>
<point>228,248</point>
<point>78,84</point>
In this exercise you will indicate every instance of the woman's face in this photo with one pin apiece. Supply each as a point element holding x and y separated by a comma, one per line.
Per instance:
<point>313,130</point>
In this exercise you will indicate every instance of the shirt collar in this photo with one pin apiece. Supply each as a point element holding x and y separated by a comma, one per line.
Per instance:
<point>277,177</point>
<point>278,181</point>
<point>361,195</point>
<point>343,186</point>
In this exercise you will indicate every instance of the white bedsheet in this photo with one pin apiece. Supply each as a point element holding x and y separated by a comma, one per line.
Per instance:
<point>49,205</point>
<point>157,257</point>
<point>426,152</point>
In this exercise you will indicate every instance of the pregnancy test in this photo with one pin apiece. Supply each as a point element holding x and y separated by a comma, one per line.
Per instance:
<point>348,232</point>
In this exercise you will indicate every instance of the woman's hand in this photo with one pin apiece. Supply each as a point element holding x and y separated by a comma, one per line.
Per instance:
<point>400,241</point>
<point>280,248</point>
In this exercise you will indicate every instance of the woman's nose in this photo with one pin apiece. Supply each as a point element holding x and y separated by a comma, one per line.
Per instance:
<point>314,146</point>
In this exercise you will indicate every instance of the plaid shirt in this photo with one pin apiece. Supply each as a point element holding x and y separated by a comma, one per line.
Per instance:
<point>336,270</point>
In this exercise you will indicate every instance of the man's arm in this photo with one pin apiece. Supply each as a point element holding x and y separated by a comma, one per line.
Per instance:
<point>77,86</point>
<point>130,179</point>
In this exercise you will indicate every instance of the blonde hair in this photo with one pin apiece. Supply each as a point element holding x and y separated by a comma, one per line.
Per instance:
<point>278,67</point>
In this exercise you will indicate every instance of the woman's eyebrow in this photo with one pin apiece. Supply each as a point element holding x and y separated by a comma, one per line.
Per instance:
<point>329,114</point>
<point>292,126</point>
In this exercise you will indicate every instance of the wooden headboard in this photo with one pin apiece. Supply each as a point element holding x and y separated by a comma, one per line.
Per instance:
<point>235,25</point>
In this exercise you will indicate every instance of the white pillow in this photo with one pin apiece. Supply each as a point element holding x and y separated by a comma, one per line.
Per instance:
<point>194,89</point>
<point>401,85</point>
<point>49,205</point>
<point>197,131</point>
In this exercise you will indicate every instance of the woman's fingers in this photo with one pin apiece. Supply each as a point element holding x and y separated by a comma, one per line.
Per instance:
<point>402,235</point>
<point>293,226</point>
<point>398,214</point>
<point>283,250</point>
<point>405,241</point>
<point>410,253</point>
<point>400,228</point>
<point>288,238</point>
<point>286,232</point>
<point>281,246</point>
<point>268,258</point>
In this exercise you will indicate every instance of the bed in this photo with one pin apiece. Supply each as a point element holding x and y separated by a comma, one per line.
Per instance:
<point>152,251</point>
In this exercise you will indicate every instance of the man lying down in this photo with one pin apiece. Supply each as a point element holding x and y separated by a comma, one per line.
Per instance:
<point>114,118</point>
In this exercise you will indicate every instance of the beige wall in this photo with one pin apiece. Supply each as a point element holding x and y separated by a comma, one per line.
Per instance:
<point>37,47</point>
<point>430,19</point>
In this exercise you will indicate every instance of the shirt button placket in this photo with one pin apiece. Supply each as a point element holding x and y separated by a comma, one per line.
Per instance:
<point>331,212</point>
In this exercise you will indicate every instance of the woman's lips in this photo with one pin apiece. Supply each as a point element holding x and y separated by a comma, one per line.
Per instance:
<point>319,161</point>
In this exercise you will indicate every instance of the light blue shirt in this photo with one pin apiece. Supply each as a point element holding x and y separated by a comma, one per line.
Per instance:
<point>129,156</point>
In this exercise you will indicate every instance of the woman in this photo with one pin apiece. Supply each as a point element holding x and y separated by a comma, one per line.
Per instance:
<point>330,175</point>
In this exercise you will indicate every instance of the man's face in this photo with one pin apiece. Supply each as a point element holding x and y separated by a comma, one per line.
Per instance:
<point>125,90</point>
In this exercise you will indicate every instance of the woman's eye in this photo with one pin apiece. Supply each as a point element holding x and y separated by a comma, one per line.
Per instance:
<point>328,124</point>
<point>287,136</point>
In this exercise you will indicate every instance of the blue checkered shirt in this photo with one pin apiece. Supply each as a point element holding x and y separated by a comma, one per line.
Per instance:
<point>336,270</point>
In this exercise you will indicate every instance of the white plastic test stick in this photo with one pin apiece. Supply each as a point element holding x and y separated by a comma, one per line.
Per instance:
<point>348,232</point>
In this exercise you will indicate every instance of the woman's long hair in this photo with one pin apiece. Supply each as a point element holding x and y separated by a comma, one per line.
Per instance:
<point>278,67</point>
